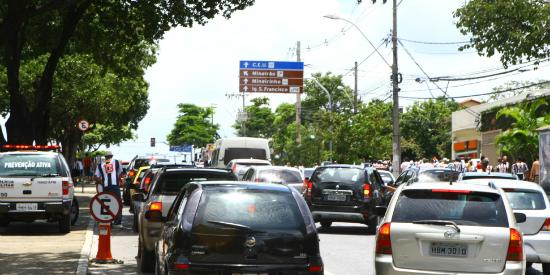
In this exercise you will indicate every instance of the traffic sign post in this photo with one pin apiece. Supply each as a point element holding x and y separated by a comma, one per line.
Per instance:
<point>105,207</point>
<point>83,125</point>
<point>271,77</point>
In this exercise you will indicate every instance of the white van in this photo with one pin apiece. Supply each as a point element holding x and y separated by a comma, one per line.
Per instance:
<point>227,149</point>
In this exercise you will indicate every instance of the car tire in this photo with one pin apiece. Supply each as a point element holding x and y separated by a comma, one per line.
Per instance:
<point>326,224</point>
<point>147,259</point>
<point>372,224</point>
<point>158,271</point>
<point>75,210</point>
<point>546,268</point>
<point>64,223</point>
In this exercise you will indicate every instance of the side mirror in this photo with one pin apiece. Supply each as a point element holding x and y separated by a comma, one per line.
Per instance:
<point>380,211</point>
<point>138,197</point>
<point>520,217</point>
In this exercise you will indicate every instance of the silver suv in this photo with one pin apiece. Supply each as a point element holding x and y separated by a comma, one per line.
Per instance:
<point>443,228</point>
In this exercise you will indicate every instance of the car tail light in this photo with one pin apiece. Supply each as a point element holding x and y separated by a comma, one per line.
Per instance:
<point>304,186</point>
<point>383,241</point>
<point>155,206</point>
<point>180,266</point>
<point>515,246</point>
<point>315,268</point>
<point>366,190</point>
<point>451,191</point>
<point>65,187</point>
<point>546,225</point>
<point>147,180</point>
<point>234,168</point>
<point>309,188</point>
<point>132,173</point>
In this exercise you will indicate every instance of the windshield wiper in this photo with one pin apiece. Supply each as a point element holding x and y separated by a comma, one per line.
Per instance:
<point>439,222</point>
<point>235,225</point>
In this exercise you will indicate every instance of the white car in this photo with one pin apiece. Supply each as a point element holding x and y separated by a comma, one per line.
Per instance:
<point>449,228</point>
<point>530,199</point>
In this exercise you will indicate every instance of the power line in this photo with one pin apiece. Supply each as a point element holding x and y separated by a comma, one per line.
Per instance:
<point>434,43</point>
<point>490,93</point>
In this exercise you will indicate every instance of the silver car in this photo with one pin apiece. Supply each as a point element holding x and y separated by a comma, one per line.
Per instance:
<point>530,199</point>
<point>276,174</point>
<point>446,228</point>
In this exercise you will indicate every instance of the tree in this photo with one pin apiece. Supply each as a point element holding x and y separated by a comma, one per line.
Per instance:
<point>516,29</point>
<point>260,119</point>
<point>522,139</point>
<point>428,123</point>
<point>193,126</point>
<point>114,32</point>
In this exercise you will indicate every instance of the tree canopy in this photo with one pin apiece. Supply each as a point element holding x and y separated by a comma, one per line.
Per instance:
<point>515,29</point>
<point>260,119</point>
<point>193,126</point>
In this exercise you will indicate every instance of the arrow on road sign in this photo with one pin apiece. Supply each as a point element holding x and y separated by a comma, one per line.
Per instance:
<point>246,64</point>
<point>245,88</point>
<point>245,81</point>
<point>245,73</point>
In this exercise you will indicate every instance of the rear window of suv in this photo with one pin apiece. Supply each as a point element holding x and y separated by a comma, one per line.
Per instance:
<point>280,176</point>
<point>473,208</point>
<point>14,165</point>
<point>339,174</point>
<point>172,182</point>
<point>256,209</point>
<point>525,200</point>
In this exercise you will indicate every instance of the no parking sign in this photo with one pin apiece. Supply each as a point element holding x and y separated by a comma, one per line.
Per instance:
<point>105,207</point>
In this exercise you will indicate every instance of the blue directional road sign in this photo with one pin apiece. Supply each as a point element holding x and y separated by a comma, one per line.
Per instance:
<point>271,65</point>
<point>183,149</point>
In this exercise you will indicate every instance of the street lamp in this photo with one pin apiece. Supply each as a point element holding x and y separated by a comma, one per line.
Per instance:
<point>330,104</point>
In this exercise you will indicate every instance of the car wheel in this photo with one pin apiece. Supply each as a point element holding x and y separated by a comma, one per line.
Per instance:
<point>75,210</point>
<point>158,271</point>
<point>372,224</point>
<point>546,268</point>
<point>147,259</point>
<point>64,223</point>
<point>326,224</point>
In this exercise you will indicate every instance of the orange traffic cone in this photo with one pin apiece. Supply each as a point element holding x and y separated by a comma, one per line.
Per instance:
<point>104,246</point>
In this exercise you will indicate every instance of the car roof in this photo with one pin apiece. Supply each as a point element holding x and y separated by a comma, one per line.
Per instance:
<point>341,166</point>
<point>488,175</point>
<point>507,183</point>
<point>196,169</point>
<point>244,185</point>
<point>275,168</point>
<point>30,152</point>
<point>476,187</point>
<point>251,160</point>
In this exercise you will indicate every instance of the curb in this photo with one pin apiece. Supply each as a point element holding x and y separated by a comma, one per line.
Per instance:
<point>83,262</point>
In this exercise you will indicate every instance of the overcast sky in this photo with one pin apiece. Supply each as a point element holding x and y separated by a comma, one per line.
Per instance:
<point>200,65</point>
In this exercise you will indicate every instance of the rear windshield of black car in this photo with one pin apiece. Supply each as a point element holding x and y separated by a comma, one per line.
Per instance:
<point>525,200</point>
<point>255,209</point>
<point>339,174</point>
<point>14,165</point>
<point>244,153</point>
<point>174,181</point>
<point>474,208</point>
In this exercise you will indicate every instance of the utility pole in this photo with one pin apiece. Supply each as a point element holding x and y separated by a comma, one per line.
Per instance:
<point>395,83</point>
<point>242,116</point>
<point>245,118</point>
<point>298,103</point>
<point>355,92</point>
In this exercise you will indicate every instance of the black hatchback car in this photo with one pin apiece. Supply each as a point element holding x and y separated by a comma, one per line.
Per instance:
<point>238,228</point>
<point>345,193</point>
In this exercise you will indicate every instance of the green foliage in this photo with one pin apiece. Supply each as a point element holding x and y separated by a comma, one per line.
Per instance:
<point>193,126</point>
<point>428,124</point>
<point>515,29</point>
<point>260,119</point>
<point>522,139</point>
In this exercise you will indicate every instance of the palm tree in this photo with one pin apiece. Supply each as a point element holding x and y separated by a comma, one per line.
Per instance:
<point>521,140</point>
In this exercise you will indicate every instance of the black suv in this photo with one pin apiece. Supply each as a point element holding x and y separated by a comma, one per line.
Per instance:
<point>238,228</point>
<point>345,193</point>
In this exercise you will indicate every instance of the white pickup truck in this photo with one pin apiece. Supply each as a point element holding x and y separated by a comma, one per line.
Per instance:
<point>35,185</point>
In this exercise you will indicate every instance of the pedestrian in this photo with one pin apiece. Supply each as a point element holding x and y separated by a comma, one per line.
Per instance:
<point>78,168</point>
<point>506,164</point>
<point>519,169</point>
<point>535,171</point>
<point>405,164</point>
<point>109,173</point>
<point>87,162</point>
<point>501,167</point>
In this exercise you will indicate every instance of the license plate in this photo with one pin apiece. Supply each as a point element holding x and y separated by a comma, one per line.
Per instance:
<point>26,207</point>
<point>449,250</point>
<point>336,197</point>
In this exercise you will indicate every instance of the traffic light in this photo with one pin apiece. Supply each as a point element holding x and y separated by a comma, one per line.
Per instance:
<point>153,142</point>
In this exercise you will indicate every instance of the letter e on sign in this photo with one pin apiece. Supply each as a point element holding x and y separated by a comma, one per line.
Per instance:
<point>83,125</point>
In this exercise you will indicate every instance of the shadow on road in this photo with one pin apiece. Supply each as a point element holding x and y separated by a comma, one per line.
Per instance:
<point>37,263</point>
<point>344,230</point>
